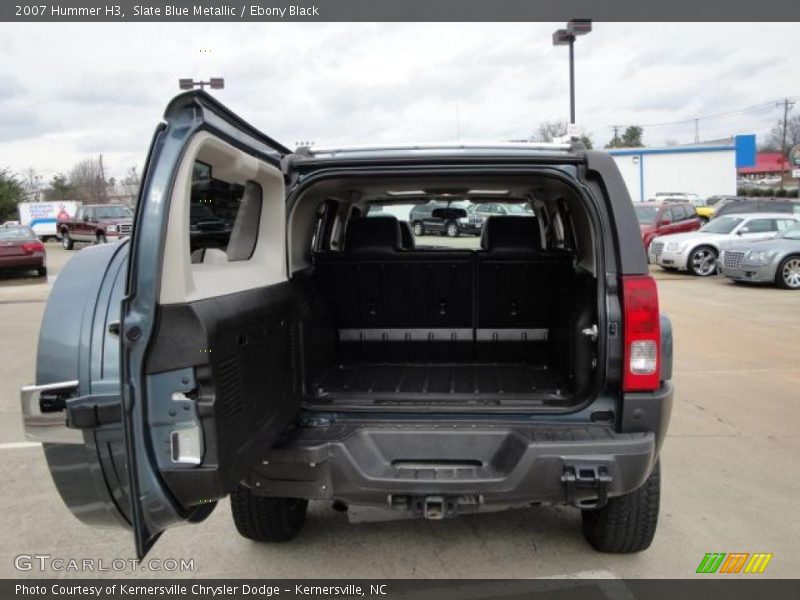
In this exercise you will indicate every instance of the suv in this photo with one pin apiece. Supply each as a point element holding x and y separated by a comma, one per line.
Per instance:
<point>423,221</point>
<point>664,218</point>
<point>311,357</point>
<point>741,205</point>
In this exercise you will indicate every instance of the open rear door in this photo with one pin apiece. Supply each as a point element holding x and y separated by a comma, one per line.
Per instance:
<point>207,323</point>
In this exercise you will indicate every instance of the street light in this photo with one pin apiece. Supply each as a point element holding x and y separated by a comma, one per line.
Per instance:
<point>566,37</point>
<point>215,83</point>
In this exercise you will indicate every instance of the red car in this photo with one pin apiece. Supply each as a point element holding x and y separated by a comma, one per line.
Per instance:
<point>21,249</point>
<point>664,218</point>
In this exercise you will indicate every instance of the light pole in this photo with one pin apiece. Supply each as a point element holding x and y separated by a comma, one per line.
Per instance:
<point>215,83</point>
<point>566,37</point>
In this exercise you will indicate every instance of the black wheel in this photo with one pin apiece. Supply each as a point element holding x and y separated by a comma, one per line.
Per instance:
<point>670,269</point>
<point>788,274</point>
<point>703,261</point>
<point>626,523</point>
<point>451,229</point>
<point>267,519</point>
<point>41,271</point>
<point>101,238</point>
<point>66,241</point>
<point>418,228</point>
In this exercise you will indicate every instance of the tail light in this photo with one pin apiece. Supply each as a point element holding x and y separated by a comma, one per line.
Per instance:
<point>642,334</point>
<point>31,247</point>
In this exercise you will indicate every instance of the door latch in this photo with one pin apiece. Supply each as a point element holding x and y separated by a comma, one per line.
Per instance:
<point>590,332</point>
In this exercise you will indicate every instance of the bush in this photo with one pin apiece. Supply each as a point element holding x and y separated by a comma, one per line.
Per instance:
<point>781,193</point>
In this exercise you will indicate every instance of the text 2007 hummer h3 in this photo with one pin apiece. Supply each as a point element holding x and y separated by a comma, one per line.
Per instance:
<point>262,336</point>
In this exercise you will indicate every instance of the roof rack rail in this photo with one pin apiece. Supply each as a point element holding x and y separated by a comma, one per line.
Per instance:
<point>512,146</point>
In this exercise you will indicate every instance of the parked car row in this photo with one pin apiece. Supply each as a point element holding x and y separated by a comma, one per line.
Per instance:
<point>432,217</point>
<point>758,247</point>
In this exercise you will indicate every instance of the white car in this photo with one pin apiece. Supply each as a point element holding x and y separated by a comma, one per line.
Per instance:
<point>697,251</point>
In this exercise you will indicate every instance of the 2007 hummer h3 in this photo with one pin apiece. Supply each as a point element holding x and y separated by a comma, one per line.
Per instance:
<point>315,352</point>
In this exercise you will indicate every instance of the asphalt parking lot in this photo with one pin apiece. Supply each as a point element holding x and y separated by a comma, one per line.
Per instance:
<point>729,469</point>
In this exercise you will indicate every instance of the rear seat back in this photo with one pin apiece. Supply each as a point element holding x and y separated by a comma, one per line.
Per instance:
<point>387,300</point>
<point>415,305</point>
<point>519,285</point>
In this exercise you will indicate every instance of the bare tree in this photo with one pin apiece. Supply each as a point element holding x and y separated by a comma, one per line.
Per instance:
<point>88,181</point>
<point>31,183</point>
<point>130,185</point>
<point>774,140</point>
<point>547,131</point>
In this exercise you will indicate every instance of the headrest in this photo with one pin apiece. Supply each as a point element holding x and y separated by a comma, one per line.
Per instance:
<point>407,236</point>
<point>519,234</point>
<point>372,234</point>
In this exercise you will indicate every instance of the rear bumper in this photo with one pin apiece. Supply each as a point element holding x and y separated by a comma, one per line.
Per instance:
<point>30,261</point>
<point>372,463</point>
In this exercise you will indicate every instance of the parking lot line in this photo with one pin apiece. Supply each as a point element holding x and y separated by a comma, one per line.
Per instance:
<point>18,445</point>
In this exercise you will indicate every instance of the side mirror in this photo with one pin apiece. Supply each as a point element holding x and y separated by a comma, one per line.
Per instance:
<point>743,230</point>
<point>449,214</point>
<point>85,217</point>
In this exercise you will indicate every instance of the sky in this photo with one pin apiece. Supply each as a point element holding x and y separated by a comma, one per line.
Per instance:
<point>70,91</point>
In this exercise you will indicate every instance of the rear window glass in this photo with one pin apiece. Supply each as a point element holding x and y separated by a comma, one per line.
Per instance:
<point>646,214</point>
<point>223,217</point>
<point>460,229</point>
<point>16,233</point>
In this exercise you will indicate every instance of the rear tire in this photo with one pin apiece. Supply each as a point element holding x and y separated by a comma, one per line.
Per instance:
<point>418,229</point>
<point>451,229</point>
<point>41,271</point>
<point>66,241</point>
<point>626,523</point>
<point>101,238</point>
<point>266,519</point>
<point>788,274</point>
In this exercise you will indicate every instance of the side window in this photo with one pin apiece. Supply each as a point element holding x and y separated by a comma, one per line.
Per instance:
<point>784,224</point>
<point>690,211</point>
<point>88,214</point>
<point>667,216</point>
<point>79,214</point>
<point>678,212</point>
<point>224,217</point>
<point>760,225</point>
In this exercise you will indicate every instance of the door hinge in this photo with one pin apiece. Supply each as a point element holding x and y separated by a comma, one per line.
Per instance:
<point>590,332</point>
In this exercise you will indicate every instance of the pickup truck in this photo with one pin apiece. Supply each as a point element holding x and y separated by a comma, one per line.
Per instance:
<point>96,223</point>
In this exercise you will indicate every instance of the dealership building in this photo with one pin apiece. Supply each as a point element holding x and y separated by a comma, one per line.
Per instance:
<point>705,169</point>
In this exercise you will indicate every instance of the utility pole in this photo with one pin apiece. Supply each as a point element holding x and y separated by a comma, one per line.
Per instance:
<point>616,136</point>
<point>786,106</point>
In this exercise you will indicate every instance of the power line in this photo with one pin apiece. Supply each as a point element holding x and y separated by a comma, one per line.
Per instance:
<point>695,120</point>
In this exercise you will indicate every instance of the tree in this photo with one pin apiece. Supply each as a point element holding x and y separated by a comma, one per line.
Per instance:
<point>630,138</point>
<point>587,141</point>
<point>774,141</point>
<point>11,192</point>
<point>88,182</point>
<point>32,184</point>
<point>59,188</point>
<point>547,131</point>
<point>130,185</point>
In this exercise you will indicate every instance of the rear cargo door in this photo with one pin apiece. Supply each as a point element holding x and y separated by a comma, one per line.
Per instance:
<point>207,323</point>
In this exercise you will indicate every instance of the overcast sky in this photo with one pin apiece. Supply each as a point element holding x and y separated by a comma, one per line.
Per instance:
<point>68,91</point>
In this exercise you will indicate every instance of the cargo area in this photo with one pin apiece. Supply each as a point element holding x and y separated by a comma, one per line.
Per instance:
<point>388,322</point>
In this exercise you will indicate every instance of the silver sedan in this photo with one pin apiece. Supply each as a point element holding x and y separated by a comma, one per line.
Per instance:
<point>776,260</point>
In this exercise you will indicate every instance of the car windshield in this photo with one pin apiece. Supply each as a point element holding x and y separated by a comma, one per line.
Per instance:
<point>112,212</point>
<point>646,214</point>
<point>721,225</point>
<point>793,233</point>
<point>16,233</point>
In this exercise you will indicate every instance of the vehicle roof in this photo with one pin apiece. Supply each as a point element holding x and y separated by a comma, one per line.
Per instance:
<point>760,215</point>
<point>660,203</point>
